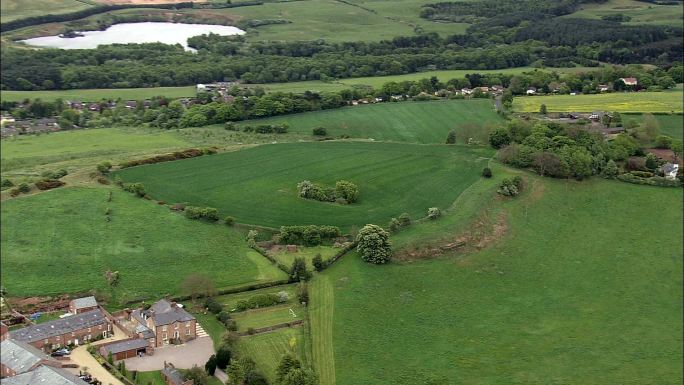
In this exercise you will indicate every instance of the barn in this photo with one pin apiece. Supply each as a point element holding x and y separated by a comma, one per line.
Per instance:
<point>126,349</point>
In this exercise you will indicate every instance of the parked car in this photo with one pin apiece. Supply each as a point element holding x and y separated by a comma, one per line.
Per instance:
<point>61,352</point>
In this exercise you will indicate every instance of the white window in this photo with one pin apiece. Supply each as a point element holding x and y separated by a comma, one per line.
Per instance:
<point>187,331</point>
<point>164,336</point>
<point>164,328</point>
<point>89,329</point>
<point>73,334</point>
<point>100,327</point>
<point>46,341</point>
<point>104,334</point>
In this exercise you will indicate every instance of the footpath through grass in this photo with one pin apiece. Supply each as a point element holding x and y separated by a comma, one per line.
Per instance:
<point>59,242</point>
<point>585,287</point>
<point>414,122</point>
<point>259,185</point>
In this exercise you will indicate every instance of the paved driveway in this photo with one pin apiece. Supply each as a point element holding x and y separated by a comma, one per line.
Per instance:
<point>86,362</point>
<point>195,352</point>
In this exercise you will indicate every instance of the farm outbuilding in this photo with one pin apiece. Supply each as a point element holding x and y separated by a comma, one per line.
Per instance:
<point>127,349</point>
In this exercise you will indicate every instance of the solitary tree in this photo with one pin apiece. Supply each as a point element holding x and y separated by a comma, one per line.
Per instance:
<point>542,109</point>
<point>223,357</point>
<point>299,272</point>
<point>210,366</point>
<point>373,244</point>
<point>317,263</point>
<point>451,137</point>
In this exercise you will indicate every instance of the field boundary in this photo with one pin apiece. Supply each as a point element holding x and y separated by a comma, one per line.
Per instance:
<point>271,328</point>
<point>321,329</point>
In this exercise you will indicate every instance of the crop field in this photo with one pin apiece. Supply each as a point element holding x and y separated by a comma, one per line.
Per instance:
<point>599,304</point>
<point>668,102</point>
<point>95,95</point>
<point>19,9</point>
<point>268,349</point>
<point>60,242</point>
<point>268,316</point>
<point>640,12</point>
<point>308,253</point>
<point>259,185</point>
<point>415,122</point>
<point>84,147</point>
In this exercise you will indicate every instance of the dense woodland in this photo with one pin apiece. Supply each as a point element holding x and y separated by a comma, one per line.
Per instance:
<point>502,34</point>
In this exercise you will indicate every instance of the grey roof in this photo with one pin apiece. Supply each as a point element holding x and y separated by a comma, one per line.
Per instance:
<point>20,356</point>
<point>670,167</point>
<point>145,331</point>
<point>125,346</point>
<point>44,375</point>
<point>173,375</point>
<point>84,302</point>
<point>165,313</point>
<point>59,326</point>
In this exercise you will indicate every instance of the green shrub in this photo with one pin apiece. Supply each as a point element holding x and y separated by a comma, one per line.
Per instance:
<point>487,172</point>
<point>510,187</point>
<point>404,219</point>
<point>229,220</point>
<point>373,244</point>
<point>295,234</point>
<point>208,213</point>
<point>346,190</point>
<point>49,184</point>
<point>320,131</point>
<point>104,167</point>
<point>451,137</point>
<point>642,174</point>
<point>318,263</point>
<point>6,183</point>
<point>434,213</point>
<point>213,306</point>
<point>24,188</point>
<point>136,188</point>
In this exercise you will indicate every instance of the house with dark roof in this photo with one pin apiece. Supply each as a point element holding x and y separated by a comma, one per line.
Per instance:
<point>18,357</point>
<point>167,322</point>
<point>44,375</point>
<point>173,377</point>
<point>120,350</point>
<point>75,329</point>
<point>82,305</point>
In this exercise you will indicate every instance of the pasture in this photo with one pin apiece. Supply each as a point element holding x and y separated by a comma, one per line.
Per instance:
<point>95,95</point>
<point>268,316</point>
<point>19,9</point>
<point>259,185</point>
<point>59,242</point>
<point>667,102</point>
<point>640,12</point>
<point>598,304</point>
<point>268,349</point>
<point>670,125</point>
<point>229,301</point>
<point>84,147</point>
<point>414,122</point>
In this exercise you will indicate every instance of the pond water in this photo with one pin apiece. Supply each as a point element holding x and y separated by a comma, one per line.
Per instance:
<point>168,33</point>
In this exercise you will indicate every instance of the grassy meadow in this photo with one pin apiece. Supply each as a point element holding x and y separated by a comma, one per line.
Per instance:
<point>670,125</point>
<point>84,147</point>
<point>229,301</point>
<point>95,95</point>
<point>268,349</point>
<point>59,242</point>
<point>667,102</point>
<point>268,316</point>
<point>641,12</point>
<point>19,9</point>
<point>551,300</point>
<point>259,185</point>
<point>414,122</point>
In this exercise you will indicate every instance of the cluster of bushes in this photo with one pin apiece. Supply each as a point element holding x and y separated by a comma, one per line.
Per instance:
<point>310,235</point>
<point>23,188</point>
<point>219,360</point>
<point>190,153</point>
<point>104,167</point>
<point>320,131</point>
<point>397,223</point>
<point>6,183</point>
<point>54,174</point>
<point>267,128</point>
<point>262,300</point>
<point>434,213</point>
<point>290,371</point>
<point>511,187</point>
<point>47,184</point>
<point>136,188</point>
<point>208,213</point>
<point>647,178</point>
<point>344,192</point>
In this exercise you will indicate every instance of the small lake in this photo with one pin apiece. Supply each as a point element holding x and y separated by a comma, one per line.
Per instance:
<point>167,33</point>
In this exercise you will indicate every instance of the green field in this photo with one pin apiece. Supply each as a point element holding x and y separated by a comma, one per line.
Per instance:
<point>670,125</point>
<point>259,185</point>
<point>269,316</point>
<point>229,301</point>
<point>640,12</point>
<point>308,253</point>
<point>59,242</point>
<point>95,95</point>
<point>415,122</point>
<point>84,147</point>
<point>669,101</point>
<point>19,9</point>
<point>268,349</point>
<point>600,304</point>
